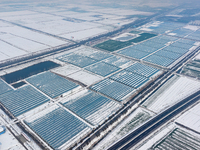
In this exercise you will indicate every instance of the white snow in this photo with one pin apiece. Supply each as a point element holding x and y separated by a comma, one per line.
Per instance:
<point>85,51</point>
<point>9,51</point>
<point>125,35</point>
<point>35,110</point>
<point>42,113</point>
<point>178,90</point>
<point>84,34</point>
<point>120,62</point>
<point>24,44</point>
<point>66,70</point>
<point>3,56</point>
<point>191,118</point>
<point>16,13</point>
<point>85,77</point>
<point>173,34</point>
<point>145,29</point>
<point>17,41</point>
<point>196,22</point>
<point>198,56</point>
<point>34,36</point>
<point>125,12</point>
<point>115,22</point>
<point>174,15</point>
<point>8,141</point>
<point>152,24</point>
<point>117,133</point>
<point>1,129</point>
<point>57,27</point>
<point>191,27</point>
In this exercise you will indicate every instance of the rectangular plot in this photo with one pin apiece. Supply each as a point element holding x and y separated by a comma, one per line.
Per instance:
<point>174,90</point>
<point>4,88</point>
<point>153,44</point>
<point>133,53</point>
<point>168,54</point>
<point>113,89</point>
<point>159,60</point>
<point>92,107</point>
<point>178,139</point>
<point>112,45</point>
<point>92,53</point>
<point>85,51</point>
<point>182,45</point>
<point>51,84</point>
<point>142,37</point>
<point>142,69</point>
<point>186,41</point>
<point>175,49</point>
<point>66,70</point>
<point>168,38</point>
<point>145,48</point>
<point>100,55</point>
<point>57,127</point>
<point>118,61</point>
<point>159,29</point>
<point>194,37</point>
<point>130,79</point>
<point>85,77</point>
<point>125,38</point>
<point>102,68</point>
<point>22,100</point>
<point>159,40</point>
<point>78,60</point>
<point>182,32</point>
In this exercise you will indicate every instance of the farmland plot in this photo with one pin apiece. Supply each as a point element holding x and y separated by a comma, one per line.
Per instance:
<point>173,91</point>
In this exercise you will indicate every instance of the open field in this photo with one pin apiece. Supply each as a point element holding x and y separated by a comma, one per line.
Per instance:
<point>174,90</point>
<point>190,119</point>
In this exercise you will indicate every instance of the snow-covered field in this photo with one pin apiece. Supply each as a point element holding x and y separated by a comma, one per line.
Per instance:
<point>176,89</point>
<point>66,70</point>
<point>33,36</point>
<point>85,77</point>
<point>198,56</point>
<point>16,41</point>
<point>31,30</point>
<point>133,121</point>
<point>84,34</point>
<point>191,27</point>
<point>191,118</point>
<point>8,141</point>
<point>23,44</point>
<point>8,51</point>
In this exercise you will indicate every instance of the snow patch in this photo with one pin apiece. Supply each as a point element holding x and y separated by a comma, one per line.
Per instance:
<point>86,77</point>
